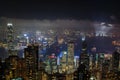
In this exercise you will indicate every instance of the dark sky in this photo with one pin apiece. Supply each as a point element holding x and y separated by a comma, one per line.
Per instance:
<point>65,9</point>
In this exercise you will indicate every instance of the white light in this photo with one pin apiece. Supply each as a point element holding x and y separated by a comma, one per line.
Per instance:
<point>76,57</point>
<point>44,42</point>
<point>91,78</point>
<point>110,25</point>
<point>45,38</point>
<point>102,23</point>
<point>9,24</point>
<point>83,38</point>
<point>65,52</point>
<point>39,38</point>
<point>25,35</point>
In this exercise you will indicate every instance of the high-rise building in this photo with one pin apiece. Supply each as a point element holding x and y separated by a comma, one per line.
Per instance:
<point>54,65</point>
<point>90,62</point>
<point>0,69</point>
<point>93,54</point>
<point>70,57</point>
<point>82,72</point>
<point>12,67</point>
<point>10,40</point>
<point>12,60</point>
<point>63,60</point>
<point>31,58</point>
<point>84,57</point>
<point>116,59</point>
<point>76,60</point>
<point>47,67</point>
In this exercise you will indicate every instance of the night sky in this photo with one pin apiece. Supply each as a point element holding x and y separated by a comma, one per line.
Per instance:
<point>62,9</point>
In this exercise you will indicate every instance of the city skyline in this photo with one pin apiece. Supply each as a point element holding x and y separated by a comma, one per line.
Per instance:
<point>59,40</point>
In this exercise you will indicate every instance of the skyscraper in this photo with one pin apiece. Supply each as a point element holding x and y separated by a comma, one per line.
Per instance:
<point>116,59</point>
<point>10,40</point>
<point>12,60</point>
<point>1,69</point>
<point>82,72</point>
<point>31,58</point>
<point>70,60</point>
<point>63,60</point>
<point>84,57</point>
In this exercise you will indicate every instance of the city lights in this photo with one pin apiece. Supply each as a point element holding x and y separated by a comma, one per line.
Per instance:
<point>83,38</point>
<point>65,52</point>
<point>9,24</point>
<point>69,55</point>
<point>25,35</point>
<point>60,40</point>
<point>92,78</point>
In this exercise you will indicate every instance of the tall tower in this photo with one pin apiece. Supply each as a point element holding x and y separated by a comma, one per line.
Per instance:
<point>63,60</point>
<point>12,60</point>
<point>84,57</point>
<point>70,60</point>
<point>31,58</point>
<point>53,64</point>
<point>82,72</point>
<point>10,40</point>
<point>116,59</point>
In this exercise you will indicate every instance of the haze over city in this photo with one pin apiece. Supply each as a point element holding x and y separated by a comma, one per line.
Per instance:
<point>43,14</point>
<point>59,40</point>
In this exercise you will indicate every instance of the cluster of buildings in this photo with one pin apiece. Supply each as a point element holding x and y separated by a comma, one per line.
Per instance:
<point>61,64</point>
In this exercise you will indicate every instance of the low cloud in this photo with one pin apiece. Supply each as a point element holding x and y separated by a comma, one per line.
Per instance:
<point>34,24</point>
<point>49,24</point>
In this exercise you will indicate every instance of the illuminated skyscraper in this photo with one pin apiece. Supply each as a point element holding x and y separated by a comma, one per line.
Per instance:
<point>116,59</point>
<point>10,40</point>
<point>31,57</point>
<point>70,60</point>
<point>53,64</point>
<point>82,72</point>
<point>63,60</point>
<point>12,60</point>
<point>84,57</point>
